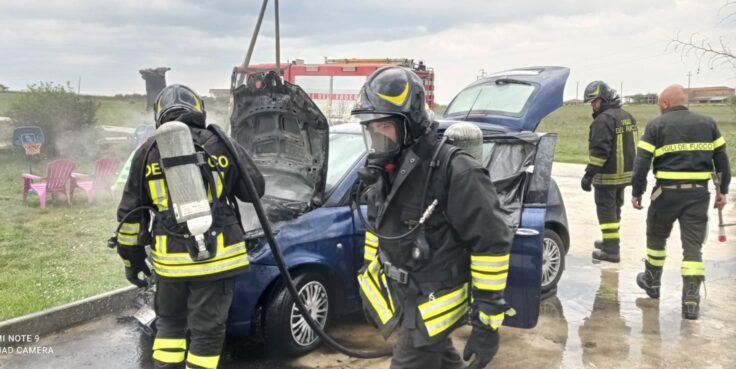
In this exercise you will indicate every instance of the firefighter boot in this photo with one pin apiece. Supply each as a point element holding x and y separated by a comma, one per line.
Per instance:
<point>650,279</point>
<point>598,244</point>
<point>691,297</point>
<point>606,256</point>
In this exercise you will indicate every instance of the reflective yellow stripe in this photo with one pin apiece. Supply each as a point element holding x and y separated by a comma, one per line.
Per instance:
<point>489,282</point>
<point>619,153</point>
<point>658,253</point>
<point>489,263</point>
<point>610,235</point>
<point>218,185</point>
<point>679,147</point>
<point>693,268</point>
<point>160,244</point>
<point>170,343</point>
<point>594,160</point>
<point>719,142</point>
<point>369,253</point>
<point>184,258</point>
<point>169,357</point>
<point>373,294</point>
<point>200,269</point>
<point>130,228</point>
<point>646,146</point>
<point>605,226</point>
<point>493,321</point>
<point>209,362</point>
<point>397,100</point>
<point>655,262</point>
<point>433,308</point>
<point>443,322</point>
<point>157,188</point>
<point>127,239</point>
<point>683,175</point>
<point>126,262</point>
<point>371,239</point>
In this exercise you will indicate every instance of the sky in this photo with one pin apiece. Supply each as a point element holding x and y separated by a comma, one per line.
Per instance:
<point>625,43</point>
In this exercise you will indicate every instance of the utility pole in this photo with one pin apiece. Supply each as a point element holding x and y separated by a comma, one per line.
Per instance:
<point>79,84</point>
<point>689,74</point>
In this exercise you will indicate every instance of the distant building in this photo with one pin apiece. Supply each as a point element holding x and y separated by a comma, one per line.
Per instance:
<point>3,88</point>
<point>710,95</point>
<point>220,93</point>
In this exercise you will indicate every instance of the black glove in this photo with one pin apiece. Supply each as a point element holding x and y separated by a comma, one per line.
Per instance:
<point>134,259</point>
<point>483,343</point>
<point>587,182</point>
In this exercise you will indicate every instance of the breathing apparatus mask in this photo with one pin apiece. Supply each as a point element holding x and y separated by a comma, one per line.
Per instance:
<point>384,136</point>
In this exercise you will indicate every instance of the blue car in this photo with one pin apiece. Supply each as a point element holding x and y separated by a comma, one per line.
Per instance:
<point>311,172</point>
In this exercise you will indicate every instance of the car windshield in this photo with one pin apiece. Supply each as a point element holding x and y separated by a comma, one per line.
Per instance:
<point>345,150</point>
<point>506,98</point>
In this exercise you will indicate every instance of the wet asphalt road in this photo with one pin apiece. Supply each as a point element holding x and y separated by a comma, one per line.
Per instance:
<point>599,318</point>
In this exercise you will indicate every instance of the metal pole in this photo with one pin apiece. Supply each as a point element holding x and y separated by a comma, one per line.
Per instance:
<point>278,37</point>
<point>252,45</point>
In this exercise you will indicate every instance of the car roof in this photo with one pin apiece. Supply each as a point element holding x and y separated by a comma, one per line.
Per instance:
<point>347,128</point>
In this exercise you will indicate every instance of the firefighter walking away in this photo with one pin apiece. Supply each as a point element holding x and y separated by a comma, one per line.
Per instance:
<point>434,256</point>
<point>686,148</point>
<point>195,273</point>
<point>611,150</point>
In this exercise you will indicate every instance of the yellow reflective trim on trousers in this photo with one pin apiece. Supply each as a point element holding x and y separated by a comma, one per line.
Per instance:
<point>130,228</point>
<point>619,153</point>
<point>646,146</point>
<point>374,298</point>
<point>683,175</point>
<point>693,268</point>
<point>157,188</point>
<point>444,303</point>
<point>657,253</point>
<point>501,268</point>
<point>655,262</point>
<point>443,322</point>
<point>209,362</point>
<point>720,141</point>
<point>127,239</point>
<point>498,285</point>
<point>169,357</point>
<point>493,321</point>
<point>680,147</point>
<point>611,235</point>
<point>170,343</point>
<point>195,270</point>
<point>605,226</point>
<point>594,160</point>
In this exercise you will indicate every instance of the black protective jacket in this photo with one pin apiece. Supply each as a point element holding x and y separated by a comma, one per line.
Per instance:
<point>170,250</point>
<point>612,146</point>
<point>686,148</point>
<point>467,250</point>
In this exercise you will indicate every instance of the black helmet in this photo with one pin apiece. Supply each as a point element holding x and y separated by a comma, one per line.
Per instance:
<point>176,100</point>
<point>397,93</point>
<point>599,89</point>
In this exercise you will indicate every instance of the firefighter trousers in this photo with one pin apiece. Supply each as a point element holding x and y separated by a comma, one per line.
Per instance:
<point>608,202</point>
<point>690,208</point>
<point>200,306</point>
<point>441,355</point>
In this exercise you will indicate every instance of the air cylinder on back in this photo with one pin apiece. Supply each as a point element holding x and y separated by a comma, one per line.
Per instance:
<point>187,193</point>
<point>468,137</point>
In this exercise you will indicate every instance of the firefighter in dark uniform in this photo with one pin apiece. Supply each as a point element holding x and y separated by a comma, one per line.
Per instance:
<point>190,294</point>
<point>686,148</point>
<point>611,151</point>
<point>428,282</point>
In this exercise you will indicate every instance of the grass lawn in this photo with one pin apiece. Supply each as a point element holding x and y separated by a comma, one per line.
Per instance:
<point>51,256</point>
<point>571,123</point>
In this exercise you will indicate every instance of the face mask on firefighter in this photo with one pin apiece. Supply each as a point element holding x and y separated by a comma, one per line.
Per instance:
<point>383,136</point>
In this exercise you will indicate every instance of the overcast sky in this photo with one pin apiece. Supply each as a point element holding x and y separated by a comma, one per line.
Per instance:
<point>106,42</point>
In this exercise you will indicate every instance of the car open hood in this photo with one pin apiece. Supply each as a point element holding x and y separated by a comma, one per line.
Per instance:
<point>549,83</point>
<point>287,136</point>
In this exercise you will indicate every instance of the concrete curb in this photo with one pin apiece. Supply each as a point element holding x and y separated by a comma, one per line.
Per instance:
<point>60,317</point>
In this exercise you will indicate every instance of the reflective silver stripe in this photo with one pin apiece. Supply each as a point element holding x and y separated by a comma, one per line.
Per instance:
<point>483,282</point>
<point>237,248</point>
<point>441,324</point>
<point>444,303</point>
<point>130,228</point>
<point>493,321</point>
<point>127,239</point>
<point>196,269</point>
<point>374,297</point>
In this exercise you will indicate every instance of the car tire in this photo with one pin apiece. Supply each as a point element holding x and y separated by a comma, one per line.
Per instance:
<point>285,330</point>
<point>553,260</point>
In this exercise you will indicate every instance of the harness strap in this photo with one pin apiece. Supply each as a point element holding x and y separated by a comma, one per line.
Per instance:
<point>197,158</point>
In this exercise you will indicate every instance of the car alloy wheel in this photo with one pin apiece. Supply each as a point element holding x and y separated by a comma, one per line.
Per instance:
<point>314,296</point>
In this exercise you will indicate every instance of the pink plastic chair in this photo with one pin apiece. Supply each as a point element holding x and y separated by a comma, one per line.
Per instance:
<point>58,172</point>
<point>105,170</point>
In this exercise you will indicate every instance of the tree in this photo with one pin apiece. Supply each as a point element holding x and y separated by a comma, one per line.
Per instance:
<point>714,53</point>
<point>65,117</point>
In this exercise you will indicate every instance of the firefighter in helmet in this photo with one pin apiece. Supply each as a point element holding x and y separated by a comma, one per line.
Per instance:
<point>437,245</point>
<point>611,151</point>
<point>191,294</point>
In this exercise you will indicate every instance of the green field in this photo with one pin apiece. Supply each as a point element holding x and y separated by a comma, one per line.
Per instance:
<point>57,255</point>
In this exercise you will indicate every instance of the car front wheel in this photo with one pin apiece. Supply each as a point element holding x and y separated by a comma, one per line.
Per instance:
<point>553,260</point>
<point>285,329</point>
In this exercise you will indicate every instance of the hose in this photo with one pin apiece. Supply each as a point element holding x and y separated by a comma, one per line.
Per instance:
<point>281,264</point>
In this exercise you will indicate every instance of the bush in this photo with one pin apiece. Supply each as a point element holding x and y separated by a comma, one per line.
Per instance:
<point>66,118</point>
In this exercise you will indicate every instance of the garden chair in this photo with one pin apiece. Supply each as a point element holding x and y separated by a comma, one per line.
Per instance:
<point>102,179</point>
<point>58,172</point>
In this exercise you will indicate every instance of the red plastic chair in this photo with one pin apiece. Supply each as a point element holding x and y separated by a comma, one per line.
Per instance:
<point>105,170</point>
<point>58,172</point>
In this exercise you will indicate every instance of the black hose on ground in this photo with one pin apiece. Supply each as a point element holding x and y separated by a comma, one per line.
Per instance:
<point>266,224</point>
